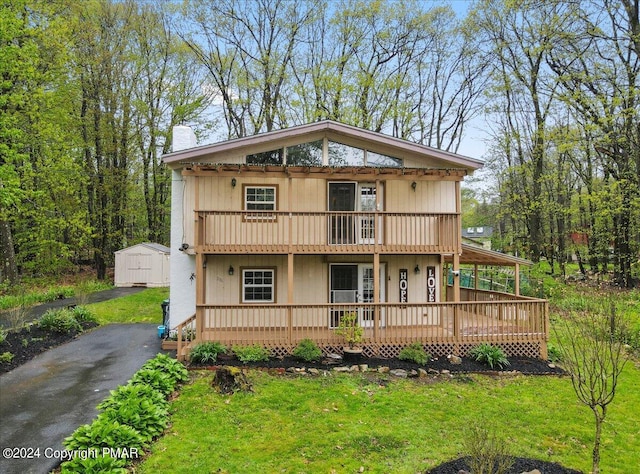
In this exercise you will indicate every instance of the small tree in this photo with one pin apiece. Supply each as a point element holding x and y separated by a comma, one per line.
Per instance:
<point>349,328</point>
<point>593,353</point>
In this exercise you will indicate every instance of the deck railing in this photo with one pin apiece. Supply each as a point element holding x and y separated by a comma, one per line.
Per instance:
<point>385,323</point>
<point>311,232</point>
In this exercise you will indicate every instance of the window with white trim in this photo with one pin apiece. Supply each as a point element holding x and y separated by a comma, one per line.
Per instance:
<point>258,285</point>
<point>260,198</point>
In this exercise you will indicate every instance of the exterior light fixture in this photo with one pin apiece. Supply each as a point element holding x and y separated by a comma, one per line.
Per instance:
<point>233,182</point>
<point>413,186</point>
<point>417,269</point>
<point>231,270</point>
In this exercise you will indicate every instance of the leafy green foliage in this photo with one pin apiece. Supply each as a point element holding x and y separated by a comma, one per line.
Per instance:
<point>168,365</point>
<point>415,353</point>
<point>491,355</point>
<point>349,328</point>
<point>124,393</point>
<point>254,353</point>
<point>6,357</point>
<point>206,352</point>
<point>155,378</point>
<point>3,335</point>
<point>144,415</point>
<point>104,433</point>
<point>59,320</point>
<point>83,315</point>
<point>307,350</point>
<point>95,465</point>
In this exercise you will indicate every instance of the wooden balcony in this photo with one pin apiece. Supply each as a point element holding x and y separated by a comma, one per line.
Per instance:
<point>326,232</point>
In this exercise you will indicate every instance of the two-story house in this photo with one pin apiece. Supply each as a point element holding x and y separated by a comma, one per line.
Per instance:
<point>275,236</point>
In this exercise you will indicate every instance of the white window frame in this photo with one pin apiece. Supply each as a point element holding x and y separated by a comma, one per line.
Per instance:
<point>260,214</point>
<point>272,285</point>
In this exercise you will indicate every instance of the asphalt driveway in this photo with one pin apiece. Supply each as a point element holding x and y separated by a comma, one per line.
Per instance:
<point>45,400</point>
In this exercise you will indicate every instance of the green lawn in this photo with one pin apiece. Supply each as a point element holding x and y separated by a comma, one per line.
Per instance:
<point>340,423</point>
<point>142,307</point>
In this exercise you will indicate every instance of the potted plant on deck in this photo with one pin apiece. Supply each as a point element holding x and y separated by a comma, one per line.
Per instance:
<point>352,332</point>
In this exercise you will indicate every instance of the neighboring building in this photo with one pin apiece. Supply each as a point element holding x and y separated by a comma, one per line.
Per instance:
<point>479,235</point>
<point>142,265</point>
<point>275,236</point>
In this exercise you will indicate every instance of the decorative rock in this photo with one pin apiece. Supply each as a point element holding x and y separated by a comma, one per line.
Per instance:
<point>433,371</point>
<point>422,373</point>
<point>535,471</point>
<point>314,371</point>
<point>291,370</point>
<point>454,359</point>
<point>383,370</point>
<point>551,366</point>
<point>341,369</point>
<point>399,373</point>
<point>363,367</point>
<point>413,373</point>
<point>354,368</point>
<point>445,372</point>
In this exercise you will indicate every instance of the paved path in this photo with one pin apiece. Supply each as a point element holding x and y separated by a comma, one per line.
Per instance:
<point>45,400</point>
<point>35,312</point>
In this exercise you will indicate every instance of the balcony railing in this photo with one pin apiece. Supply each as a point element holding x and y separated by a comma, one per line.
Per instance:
<point>326,232</point>
<point>384,323</point>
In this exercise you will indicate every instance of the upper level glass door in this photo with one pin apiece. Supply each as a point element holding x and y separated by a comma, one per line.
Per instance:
<point>348,197</point>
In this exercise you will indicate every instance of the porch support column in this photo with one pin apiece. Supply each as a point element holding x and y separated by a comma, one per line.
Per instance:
<point>456,279</point>
<point>376,296</point>
<point>290,296</point>
<point>516,277</point>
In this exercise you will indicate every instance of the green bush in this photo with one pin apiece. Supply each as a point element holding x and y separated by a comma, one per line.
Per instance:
<point>154,378</point>
<point>253,353</point>
<point>146,417</point>
<point>487,453</point>
<point>6,357</point>
<point>307,350</point>
<point>104,433</point>
<point>125,392</point>
<point>83,315</point>
<point>168,365</point>
<point>490,355</point>
<point>554,354</point>
<point>95,465</point>
<point>3,335</point>
<point>206,352</point>
<point>415,353</point>
<point>59,320</point>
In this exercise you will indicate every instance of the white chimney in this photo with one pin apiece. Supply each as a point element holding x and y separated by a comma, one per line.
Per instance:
<point>183,138</point>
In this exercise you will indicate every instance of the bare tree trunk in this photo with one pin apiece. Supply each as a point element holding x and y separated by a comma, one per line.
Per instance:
<point>8,267</point>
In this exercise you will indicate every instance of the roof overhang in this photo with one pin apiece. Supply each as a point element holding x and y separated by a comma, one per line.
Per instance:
<point>473,255</point>
<point>313,131</point>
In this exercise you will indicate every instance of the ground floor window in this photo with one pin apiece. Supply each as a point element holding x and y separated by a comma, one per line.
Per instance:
<point>258,285</point>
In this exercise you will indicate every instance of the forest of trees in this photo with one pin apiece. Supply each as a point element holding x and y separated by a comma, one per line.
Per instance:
<point>89,92</point>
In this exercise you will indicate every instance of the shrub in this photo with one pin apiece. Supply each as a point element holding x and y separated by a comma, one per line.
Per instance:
<point>125,392</point>
<point>554,354</point>
<point>253,353</point>
<point>490,355</point>
<point>487,454</point>
<point>307,350</point>
<point>415,353</point>
<point>104,433</point>
<point>170,366</point>
<point>83,315</point>
<point>206,352</point>
<point>3,335</point>
<point>146,417</point>
<point>95,465</point>
<point>349,328</point>
<point>154,378</point>
<point>6,357</point>
<point>59,320</point>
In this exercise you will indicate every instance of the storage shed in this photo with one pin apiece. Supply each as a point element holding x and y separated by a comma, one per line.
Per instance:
<point>145,264</point>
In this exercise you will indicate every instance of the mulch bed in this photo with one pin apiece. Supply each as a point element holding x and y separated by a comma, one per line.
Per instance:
<point>28,342</point>
<point>520,465</point>
<point>522,365</point>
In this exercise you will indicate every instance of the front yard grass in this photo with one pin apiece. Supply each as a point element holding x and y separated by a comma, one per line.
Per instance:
<point>340,423</point>
<point>142,307</point>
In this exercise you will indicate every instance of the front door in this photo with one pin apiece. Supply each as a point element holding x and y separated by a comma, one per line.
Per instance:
<point>354,284</point>
<point>345,198</point>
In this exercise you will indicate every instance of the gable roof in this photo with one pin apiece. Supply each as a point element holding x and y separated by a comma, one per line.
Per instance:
<point>153,246</point>
<point>313,131</point>
<point>477,255</point>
